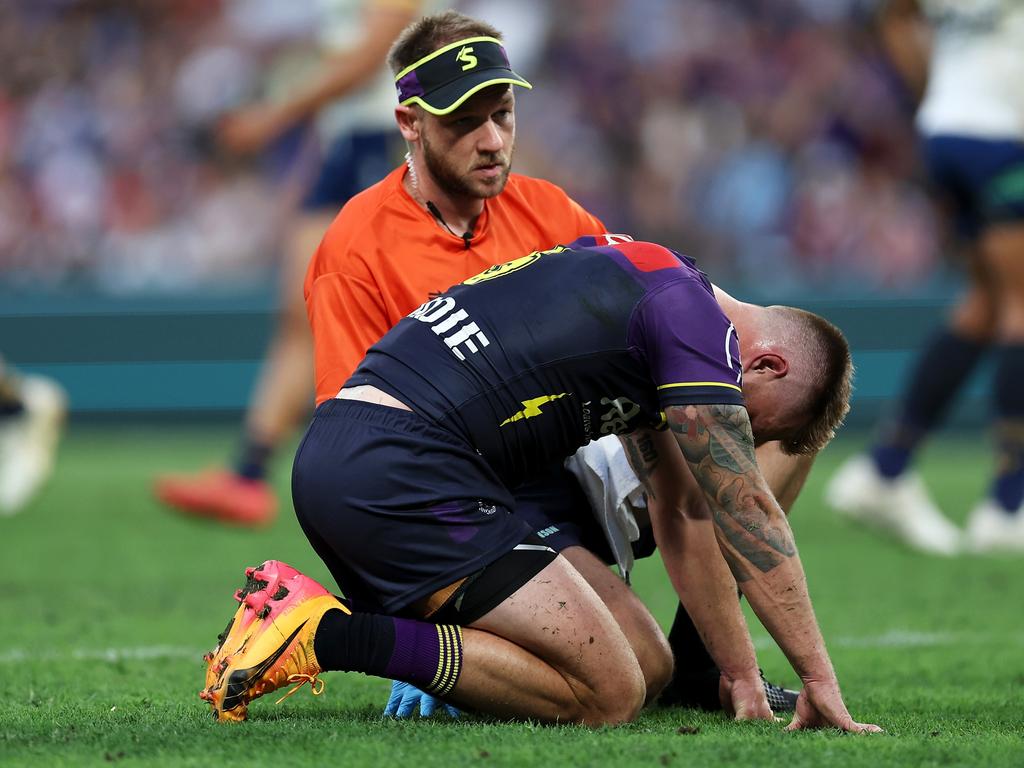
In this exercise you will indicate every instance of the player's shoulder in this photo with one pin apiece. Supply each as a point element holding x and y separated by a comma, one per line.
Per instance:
<point>645,256</point>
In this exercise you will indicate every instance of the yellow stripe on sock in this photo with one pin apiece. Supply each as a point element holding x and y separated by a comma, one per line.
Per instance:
<point>449,660</point>
<point>458,657</point>
<point>440,660</point>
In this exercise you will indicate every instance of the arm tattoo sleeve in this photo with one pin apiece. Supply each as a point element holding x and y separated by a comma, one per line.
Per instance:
<point>719,447</point>
<point>643,457</point>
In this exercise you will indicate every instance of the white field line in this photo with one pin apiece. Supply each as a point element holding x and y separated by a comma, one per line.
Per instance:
<point>109,655</point>
<point>894,638</point>
<point>908,638</point>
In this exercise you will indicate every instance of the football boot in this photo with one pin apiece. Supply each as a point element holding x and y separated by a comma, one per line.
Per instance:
<point>269,642</point>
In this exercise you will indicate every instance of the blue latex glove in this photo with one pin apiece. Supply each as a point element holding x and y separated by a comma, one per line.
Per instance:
<point>405,697</point>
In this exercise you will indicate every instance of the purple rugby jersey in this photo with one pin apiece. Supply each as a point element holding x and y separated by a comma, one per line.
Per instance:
<point>533,358</point>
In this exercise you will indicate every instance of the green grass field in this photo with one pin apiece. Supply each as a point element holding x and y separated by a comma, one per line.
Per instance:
<point>108,603</point>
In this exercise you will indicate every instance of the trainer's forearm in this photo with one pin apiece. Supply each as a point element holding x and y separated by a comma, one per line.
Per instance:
<point>752,530</point>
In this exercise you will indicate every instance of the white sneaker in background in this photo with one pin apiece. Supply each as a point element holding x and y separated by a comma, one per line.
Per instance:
<point>28,441</point>
<point>990,528</point>
<point>900,507</point>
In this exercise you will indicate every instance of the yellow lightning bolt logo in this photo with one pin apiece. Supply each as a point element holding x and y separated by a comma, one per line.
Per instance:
<point>531,408</point>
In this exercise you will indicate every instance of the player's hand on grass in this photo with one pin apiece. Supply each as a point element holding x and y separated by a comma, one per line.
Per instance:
<point>405,698</point>
<point>820,705</point>
<point>744,699</point>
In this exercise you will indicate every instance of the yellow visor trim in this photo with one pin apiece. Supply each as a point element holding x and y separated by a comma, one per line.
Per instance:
<point>447,48</point>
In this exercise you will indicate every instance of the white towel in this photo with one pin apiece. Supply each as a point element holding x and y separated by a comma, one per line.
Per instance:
<point>614,492</point>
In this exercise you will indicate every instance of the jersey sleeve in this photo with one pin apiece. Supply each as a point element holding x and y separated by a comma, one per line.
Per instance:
<point>689,345</point>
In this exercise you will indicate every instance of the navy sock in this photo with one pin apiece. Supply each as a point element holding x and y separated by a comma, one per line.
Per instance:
<point>941,369</point>
<point>1008,396</point>
<point>252,462</point>
<point>427,655</point>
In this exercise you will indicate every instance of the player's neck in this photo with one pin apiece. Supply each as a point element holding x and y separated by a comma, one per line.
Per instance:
<point>458,215</point>
<point>729,305</point>
<point>743,316</point>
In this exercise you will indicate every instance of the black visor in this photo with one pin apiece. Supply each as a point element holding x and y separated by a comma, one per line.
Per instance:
<point>442,81</point>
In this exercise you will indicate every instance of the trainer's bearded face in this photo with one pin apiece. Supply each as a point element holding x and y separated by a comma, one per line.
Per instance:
<point>469,152</point>
<point>467,114</point>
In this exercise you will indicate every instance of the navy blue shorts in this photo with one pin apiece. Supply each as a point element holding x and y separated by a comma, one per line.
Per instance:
<point>981,179</point>
<point>558,512</point>
<point>353,162</point>
<point>396,507</point>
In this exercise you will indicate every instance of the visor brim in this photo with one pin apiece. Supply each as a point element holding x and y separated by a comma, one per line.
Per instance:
<point>451,96</point>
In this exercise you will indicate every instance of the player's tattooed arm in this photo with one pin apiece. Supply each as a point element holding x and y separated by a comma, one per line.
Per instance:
<point>753,535</point>
<point>718,444</point>
<point>643,456</point>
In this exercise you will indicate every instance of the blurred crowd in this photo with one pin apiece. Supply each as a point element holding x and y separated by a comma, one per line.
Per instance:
<point>768,138</point>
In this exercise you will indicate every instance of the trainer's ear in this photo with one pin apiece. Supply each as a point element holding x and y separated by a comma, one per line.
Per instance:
<point>408,119</point>
<point>769,364</point>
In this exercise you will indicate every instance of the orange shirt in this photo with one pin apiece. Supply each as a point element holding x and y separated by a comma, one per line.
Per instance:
<point>384,255</point>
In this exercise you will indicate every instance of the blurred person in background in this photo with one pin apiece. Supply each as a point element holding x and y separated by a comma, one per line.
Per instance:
<point>972,121</point>
<point>350,95</point>
<point>32,410</point>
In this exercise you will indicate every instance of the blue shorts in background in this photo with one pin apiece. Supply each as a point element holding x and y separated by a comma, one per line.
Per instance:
<point>353,162</point>
<point>982,179</point>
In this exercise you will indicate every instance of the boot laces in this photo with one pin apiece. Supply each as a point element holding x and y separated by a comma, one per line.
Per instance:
<point>316,685</point>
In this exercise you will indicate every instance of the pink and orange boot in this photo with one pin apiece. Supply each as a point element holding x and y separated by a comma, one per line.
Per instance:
<point>269,642</point>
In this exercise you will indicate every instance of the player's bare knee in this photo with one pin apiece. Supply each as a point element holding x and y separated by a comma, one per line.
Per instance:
<point>618,698</point>
<point>626,706</point>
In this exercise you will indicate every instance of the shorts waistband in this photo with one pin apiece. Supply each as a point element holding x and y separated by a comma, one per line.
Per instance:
<point>385,417</point>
